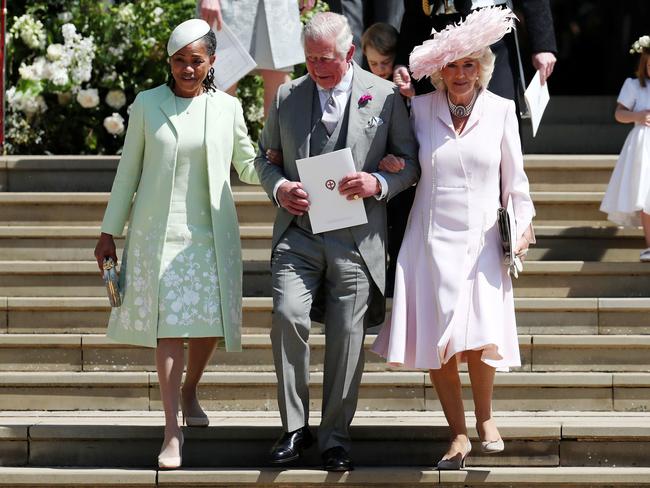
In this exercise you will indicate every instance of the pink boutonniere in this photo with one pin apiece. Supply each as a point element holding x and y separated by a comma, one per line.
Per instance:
<point>364,99</point>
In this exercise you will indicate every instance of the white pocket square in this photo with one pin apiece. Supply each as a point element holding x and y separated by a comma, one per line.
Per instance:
<point>375,122</point>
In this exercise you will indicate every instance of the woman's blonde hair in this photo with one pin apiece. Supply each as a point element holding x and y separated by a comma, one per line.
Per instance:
<point>485,58</point>
<point>642,68</point>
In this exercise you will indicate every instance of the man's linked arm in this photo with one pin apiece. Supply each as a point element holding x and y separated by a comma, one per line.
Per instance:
<point>401,142</point>
<point>271,175</point>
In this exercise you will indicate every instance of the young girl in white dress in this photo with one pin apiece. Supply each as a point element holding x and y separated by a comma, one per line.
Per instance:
<point>627,200</point>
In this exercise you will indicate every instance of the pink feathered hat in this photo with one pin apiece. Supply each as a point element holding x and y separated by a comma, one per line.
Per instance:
<point>480,29</point>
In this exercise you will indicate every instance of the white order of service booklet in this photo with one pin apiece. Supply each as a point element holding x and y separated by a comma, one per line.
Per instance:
<point>328,209</point>
<point>537,97</point>
<point>233,61</point>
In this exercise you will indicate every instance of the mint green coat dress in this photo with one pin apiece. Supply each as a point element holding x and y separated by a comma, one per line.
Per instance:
<point>146,192</point>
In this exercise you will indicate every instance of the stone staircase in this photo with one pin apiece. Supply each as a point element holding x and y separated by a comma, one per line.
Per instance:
<point>75,407</point>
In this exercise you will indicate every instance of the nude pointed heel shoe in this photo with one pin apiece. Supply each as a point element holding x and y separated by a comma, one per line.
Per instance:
<point>455,463</point>
<point>491,447</point>
<point>194,421</point>
<point>202,421</point>
<point>172,461</point>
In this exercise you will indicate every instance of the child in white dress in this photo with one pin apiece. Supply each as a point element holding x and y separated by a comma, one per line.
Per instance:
<point>627,200</point>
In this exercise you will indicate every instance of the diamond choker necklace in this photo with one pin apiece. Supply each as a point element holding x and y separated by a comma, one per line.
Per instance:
<point>461,111</point>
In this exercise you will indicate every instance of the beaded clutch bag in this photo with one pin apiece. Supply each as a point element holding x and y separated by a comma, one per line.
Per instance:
<point>112,283</point>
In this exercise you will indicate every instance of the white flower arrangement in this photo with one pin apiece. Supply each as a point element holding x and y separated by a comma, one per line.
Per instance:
<point>114,124</point>
<point>157,13</point>
<point>30,30</point>
<point>37,71</point>
<point>55,52</point>
<point>64,16</point>
<point>116,99</point>
<point>640,44</point>
<point>88,98</point>
<point>26,102</point>
<point>67,63</point>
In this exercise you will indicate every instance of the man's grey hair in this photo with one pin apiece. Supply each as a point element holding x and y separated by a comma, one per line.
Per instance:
<point>328,25</point>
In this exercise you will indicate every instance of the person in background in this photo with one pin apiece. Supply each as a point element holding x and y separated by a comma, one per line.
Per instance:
<point>269,29</point>
<point>181,273</point>
<point>453,299</point>
<point>363,13</point>
<point>420,17</point>
<point>379,44</point>
<point>627,199</point>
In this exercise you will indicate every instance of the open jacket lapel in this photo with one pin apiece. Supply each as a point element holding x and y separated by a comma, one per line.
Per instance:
<point>213,112</point>
<point>301,115</point>
<point>359,116</point>
<point>168,106</point>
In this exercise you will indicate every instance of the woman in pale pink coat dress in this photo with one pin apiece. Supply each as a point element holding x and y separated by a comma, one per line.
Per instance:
<point>453,298</point>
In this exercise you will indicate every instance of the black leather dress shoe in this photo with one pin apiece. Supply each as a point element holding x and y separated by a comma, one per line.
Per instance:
<point>291,444</point>
<point>337,459</point>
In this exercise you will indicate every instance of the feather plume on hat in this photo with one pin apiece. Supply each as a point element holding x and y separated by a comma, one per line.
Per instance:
<point>480,29</point>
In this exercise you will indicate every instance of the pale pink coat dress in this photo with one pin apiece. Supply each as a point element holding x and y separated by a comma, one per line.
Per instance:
<point>452,290</point>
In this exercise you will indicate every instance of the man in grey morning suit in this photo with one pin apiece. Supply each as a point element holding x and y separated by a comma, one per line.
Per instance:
<point>338,276</point>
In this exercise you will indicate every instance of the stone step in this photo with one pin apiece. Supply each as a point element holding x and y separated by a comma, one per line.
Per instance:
<point>534,315</point>
<point>362,477</point>
<point>400,438</point>
<point>95,173</point>
<point>554,243</point>
<point>552,279</point>
<point>254,207</point>
<point>571,137</point>
<point>91,353</point>
<point>548,172</point>
<point>88,315</point>
<point>83,209</point>
<point>586,243</point>
<point>76,243</point>
<point>379,391</point>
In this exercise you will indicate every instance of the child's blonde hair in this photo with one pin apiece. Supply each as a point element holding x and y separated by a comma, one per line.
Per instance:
<point>381,37</point>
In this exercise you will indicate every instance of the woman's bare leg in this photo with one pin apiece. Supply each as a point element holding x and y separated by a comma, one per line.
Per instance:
<point>200,352</point>
<point>482,377</point>
<point>169,365</point>
<point>447,384</point>
<point>272,81</point>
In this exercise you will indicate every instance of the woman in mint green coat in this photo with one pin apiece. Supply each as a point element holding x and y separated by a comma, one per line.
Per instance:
<point>181,273</point>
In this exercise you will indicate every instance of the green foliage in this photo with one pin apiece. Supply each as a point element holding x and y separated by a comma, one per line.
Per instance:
<point>114,46</point>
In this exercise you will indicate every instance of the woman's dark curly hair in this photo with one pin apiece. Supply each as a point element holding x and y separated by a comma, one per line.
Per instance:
<point>210,42</point>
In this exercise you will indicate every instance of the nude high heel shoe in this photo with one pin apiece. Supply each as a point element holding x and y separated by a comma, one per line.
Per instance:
<point>194,421</point>
<point>202,421</point>
<point>491,447</point>
<point>173,461</point>
<point>455,463</point>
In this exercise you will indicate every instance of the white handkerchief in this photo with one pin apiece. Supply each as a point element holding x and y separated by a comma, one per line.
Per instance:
<point>537,98</point>
<point>375,122</point>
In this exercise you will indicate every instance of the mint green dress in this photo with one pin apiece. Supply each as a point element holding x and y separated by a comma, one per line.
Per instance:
<point>189,304</point>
